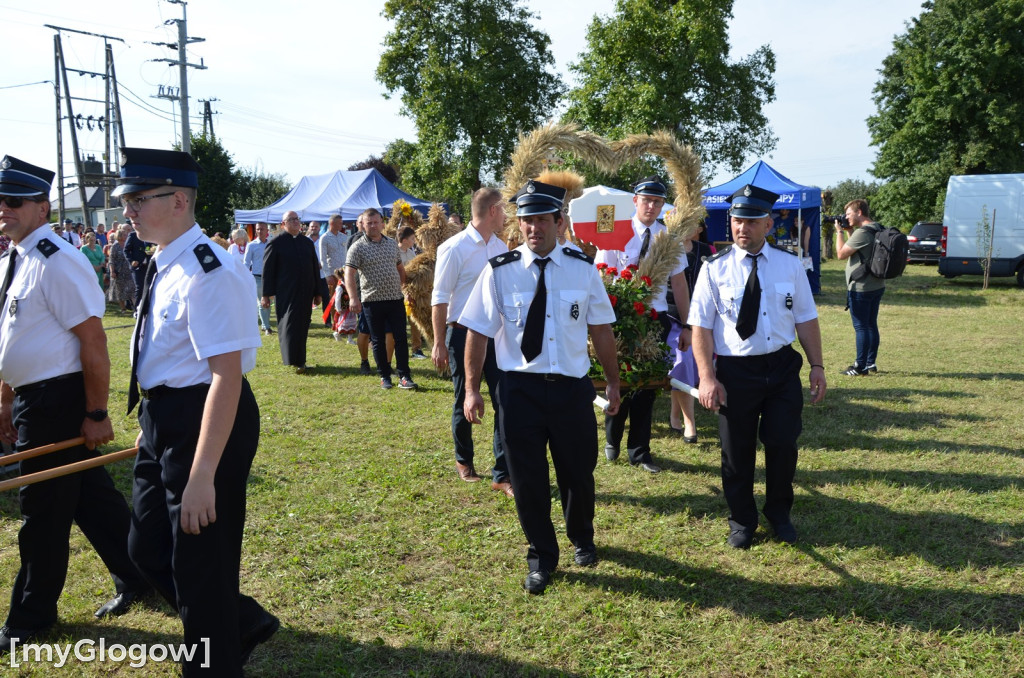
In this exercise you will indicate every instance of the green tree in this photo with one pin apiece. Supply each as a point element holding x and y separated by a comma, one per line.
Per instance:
<point>950,101</point>
<point>852,189</point>
<point>254,189</point>
<point>216,184</point>
<point>472,75</point>
<point>662,64</point>
<point>388,171</point>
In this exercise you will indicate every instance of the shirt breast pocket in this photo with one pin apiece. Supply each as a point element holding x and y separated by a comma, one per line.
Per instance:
<point>169,321</point>
<point>572,307</point>
<point>784,298</point>
<point>732,298</point>
<point>19,304</point>
<point>514,307</point>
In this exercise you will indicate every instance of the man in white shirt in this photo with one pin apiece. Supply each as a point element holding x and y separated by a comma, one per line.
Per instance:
<point>459,262</point>
<point>331,251</point>
<point>750,302</point>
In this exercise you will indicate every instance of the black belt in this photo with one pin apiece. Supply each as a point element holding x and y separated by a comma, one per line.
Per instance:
<point>257,275</point>
<point>457,326</point>
<point>45,382</point>
<point>163,391</point>
<point>774,355</point>
<point>548,376</point>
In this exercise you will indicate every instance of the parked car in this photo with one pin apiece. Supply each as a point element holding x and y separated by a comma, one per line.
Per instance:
<point>925,243</point>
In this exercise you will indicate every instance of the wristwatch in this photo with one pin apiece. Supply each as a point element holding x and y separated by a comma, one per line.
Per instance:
<point>97,415</point>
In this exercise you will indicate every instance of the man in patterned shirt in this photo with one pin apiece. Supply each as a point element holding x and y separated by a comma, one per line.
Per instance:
<point>379,264</point>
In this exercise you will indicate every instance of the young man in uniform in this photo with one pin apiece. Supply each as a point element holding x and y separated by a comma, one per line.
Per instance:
<point>649,196</point>
<point>54,380</point>
<point>193,343</point>
<point>538,303</point>
<point>750,301</point>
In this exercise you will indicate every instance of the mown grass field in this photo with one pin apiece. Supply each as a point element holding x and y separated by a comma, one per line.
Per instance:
<point>380,562</point>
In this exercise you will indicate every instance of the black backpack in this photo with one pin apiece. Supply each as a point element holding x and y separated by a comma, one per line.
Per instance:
<point>888,256</point>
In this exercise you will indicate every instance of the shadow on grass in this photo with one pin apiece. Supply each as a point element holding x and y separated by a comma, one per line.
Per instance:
<point>979,376</point>
<point>920,607</point>
<point>297,653</point>
<point>948,540</point>
<point>850,419</point>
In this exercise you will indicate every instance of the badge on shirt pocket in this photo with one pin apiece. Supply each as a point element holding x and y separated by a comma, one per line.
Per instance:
<point>571,303</point>
<point>784,294</point>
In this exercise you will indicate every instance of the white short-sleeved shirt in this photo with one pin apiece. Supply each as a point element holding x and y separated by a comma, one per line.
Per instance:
<point>576,298</point>
<point>786,300</point>
<point>460,259</point>
<point>630,254</point>
<point>196,314</point>
<point>48,296</point>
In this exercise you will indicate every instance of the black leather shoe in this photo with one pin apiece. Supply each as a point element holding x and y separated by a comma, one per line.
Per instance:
<point>741,539</point>
<point>537,581</point>
<point>261,630</point>
<point>119,604</point>
<point>785,532</point>
<point>586,556</point>
<point>648,466</point>
<point>611,453</point>
<point>20,636</point>
<point>690,439</point>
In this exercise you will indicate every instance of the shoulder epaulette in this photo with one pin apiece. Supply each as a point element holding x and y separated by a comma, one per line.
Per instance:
<point>719,254</point>
<point>782,249</point>
<point>576,254</point>
<point>207,259</point>
<point>505,258</point>
<point>47,248</point>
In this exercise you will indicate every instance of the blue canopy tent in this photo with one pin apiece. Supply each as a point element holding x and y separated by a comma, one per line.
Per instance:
<point>794,201</point>
<point>317,197</point>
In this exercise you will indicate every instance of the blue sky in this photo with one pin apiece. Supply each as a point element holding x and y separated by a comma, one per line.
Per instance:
<point>296,93</point>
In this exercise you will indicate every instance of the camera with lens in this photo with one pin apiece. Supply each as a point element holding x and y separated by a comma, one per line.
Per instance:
<point>841,218</point>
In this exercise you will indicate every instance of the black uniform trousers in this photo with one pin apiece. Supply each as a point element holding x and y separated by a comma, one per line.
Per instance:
<point>638,408</point>
<point>50,414</point>
<point>196,574</point>
<point>462,430</point>
<point>535,413</point>
<point>764,401</point>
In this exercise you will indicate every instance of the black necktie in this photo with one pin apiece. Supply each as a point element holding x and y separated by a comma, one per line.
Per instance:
<point>746,323</point>
<point>147,286</point>
<point>533,333</point>
<point>646,243</point>
<point>12,260</point>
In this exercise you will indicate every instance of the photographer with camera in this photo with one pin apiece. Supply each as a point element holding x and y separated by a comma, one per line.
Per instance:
<point>854,243</point>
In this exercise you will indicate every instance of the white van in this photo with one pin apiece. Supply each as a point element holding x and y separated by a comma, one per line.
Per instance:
<point>969,199</point>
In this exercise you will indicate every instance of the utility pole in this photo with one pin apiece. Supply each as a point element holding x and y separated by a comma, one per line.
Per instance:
<point>89,173</point>
<point>208,116</point>
<point>182,63</point>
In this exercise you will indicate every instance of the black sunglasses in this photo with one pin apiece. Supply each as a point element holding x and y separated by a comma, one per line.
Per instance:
<point>16,201</point>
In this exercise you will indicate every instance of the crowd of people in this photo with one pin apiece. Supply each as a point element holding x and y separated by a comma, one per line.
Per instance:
<point>521,319</point>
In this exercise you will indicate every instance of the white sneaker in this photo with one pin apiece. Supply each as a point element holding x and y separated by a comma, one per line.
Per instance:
<point>337,336</point>
<point>352,340</point>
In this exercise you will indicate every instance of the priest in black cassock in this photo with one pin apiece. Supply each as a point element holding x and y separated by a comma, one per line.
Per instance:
<point>291,273</point>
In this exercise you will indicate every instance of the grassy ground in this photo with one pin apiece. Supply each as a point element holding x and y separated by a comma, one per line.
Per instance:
<point>380,562</point>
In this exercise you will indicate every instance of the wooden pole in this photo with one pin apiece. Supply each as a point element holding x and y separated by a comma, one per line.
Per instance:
<point>39,451</point>
<point>68,469</point>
